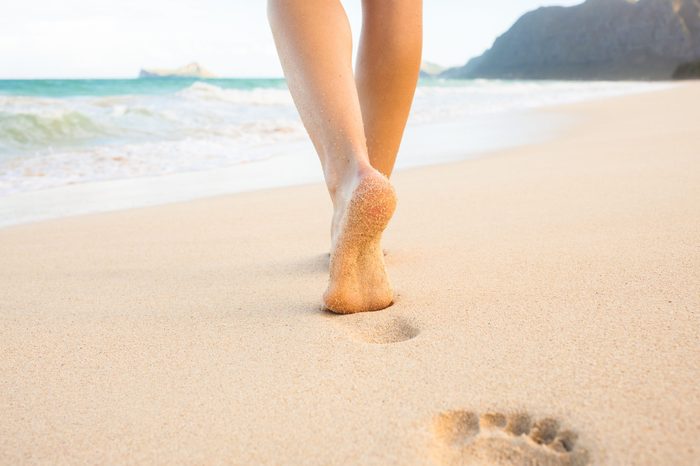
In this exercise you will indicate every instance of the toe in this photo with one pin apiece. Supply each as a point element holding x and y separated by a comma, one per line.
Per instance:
<point>518,424</point>
<point>564,441</point>
<point>544,431</point>
<point>493,420</point>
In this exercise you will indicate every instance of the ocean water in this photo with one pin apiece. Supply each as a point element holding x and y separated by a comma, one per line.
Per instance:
<point>64,132</point>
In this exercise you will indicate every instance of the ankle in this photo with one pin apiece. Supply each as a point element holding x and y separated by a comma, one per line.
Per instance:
<point>340,178</point>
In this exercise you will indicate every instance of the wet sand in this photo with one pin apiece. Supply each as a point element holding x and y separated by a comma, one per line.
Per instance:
<point>556,281</point>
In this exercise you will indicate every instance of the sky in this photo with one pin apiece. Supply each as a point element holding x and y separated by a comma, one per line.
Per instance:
<point>98,38</point>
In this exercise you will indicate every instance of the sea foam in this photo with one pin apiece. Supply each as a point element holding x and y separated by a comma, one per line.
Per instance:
<point>67,132</point>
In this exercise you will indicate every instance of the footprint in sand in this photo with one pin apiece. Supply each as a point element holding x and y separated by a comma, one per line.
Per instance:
<point>378,327</point>
<point>392,330</point>
<point>464,438</point>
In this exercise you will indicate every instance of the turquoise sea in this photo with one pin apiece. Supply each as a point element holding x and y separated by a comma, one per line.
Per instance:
<point>57,133</point>
<point>105,87</point>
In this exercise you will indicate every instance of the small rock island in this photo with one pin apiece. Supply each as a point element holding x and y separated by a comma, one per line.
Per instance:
<point>192,70</point>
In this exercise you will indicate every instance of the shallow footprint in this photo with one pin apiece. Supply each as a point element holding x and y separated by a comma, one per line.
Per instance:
<point>464,438</point>
<point>379,328</point>
<point>393,330</point>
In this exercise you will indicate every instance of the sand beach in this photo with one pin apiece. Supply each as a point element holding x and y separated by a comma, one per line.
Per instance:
<point>547,312</point>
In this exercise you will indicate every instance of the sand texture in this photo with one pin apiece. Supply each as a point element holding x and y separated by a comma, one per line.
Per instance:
<point>546,313</point>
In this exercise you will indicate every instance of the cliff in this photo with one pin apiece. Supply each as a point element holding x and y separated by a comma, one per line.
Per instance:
<point>598,39</point>
<point>193,70</point>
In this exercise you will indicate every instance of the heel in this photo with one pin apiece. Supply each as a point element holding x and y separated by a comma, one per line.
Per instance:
<point>373,204</point>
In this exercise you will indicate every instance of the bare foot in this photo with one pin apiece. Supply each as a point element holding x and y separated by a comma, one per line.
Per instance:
<point>358,280</point>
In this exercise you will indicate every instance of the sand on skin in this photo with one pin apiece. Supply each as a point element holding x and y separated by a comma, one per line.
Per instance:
<point>559,279</point>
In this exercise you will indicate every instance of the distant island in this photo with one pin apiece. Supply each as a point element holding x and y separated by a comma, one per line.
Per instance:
<point>192,70</point>
<point>598,39</point>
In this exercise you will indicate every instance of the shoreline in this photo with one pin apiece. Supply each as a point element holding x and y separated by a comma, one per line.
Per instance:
<point>559,279</point>
<point>291,164</point>
<point>279,164</point>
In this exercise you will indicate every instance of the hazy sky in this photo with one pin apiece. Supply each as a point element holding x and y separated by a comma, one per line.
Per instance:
<point>96,38</point>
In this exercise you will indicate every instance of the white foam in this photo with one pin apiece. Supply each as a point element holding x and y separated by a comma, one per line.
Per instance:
<point>256,96</point>
<point>65,141</point>
<point>286,164</point>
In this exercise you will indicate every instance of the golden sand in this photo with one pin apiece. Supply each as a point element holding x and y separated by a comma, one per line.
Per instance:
<point>557,281</point>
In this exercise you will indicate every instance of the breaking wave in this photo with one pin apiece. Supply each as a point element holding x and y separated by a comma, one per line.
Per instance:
<point>58,132</point>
